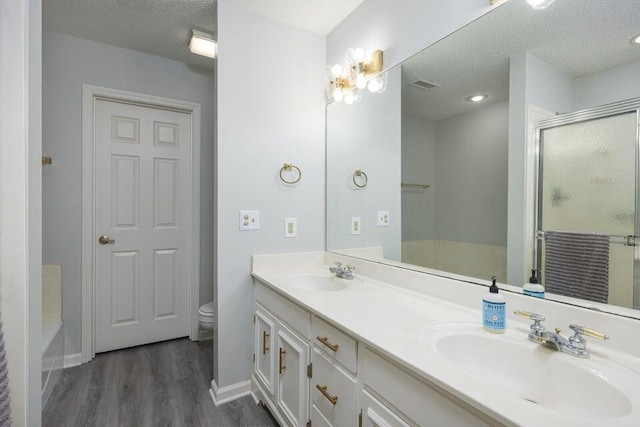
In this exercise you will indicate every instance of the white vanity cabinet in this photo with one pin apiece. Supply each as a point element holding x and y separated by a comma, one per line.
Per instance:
<point>311,373</point>
<point>281,357</point>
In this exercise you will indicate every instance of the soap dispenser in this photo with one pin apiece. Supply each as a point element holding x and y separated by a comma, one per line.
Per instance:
<point>533,288</point>
<point>494,310</point>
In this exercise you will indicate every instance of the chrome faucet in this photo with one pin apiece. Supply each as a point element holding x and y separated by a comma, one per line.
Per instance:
<point>345,272</point>
<point>575,345</point>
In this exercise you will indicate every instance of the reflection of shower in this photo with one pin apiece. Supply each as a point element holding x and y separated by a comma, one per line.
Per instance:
<point>588,184</point>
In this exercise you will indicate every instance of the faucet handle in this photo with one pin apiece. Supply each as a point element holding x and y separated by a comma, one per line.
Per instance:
<point>350,267</point>
<point>581,330</point>
<point>529,315</point>
<point>337,263</point>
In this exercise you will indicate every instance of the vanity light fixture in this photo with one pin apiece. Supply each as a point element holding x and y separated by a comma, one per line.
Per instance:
<point>540,4</point>
<point>636,40</point>
<point>477,98</point>
<point>359,71</point>
<point>203,44</point>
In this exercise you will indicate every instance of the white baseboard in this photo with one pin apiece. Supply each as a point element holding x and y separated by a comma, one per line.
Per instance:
<point>231,392</point>
<point>72,360</point>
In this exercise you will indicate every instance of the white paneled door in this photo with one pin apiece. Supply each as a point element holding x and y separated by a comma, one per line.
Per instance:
<point>143,223</point>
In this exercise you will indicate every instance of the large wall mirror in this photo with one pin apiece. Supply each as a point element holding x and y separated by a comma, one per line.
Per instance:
<point>487,188</point>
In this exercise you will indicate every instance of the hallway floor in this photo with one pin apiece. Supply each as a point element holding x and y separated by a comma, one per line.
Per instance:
<point>161,384</point>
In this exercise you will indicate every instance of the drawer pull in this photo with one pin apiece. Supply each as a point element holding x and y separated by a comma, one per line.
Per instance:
<point>323,390</point>
<point>325,341</point>
<point>280,364</point>
<point>265,337</point>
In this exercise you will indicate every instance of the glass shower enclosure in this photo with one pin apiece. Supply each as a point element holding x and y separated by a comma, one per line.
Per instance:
<point>588,182</point>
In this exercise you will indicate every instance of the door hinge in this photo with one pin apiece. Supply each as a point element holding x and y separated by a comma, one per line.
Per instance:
<point>360,419</point>
<point>309,423</point>
<point>254,318</point>
<point>254,357</point>
<point>310,370</point>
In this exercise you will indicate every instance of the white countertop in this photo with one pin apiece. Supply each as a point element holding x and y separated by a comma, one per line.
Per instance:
<point>400,322</point>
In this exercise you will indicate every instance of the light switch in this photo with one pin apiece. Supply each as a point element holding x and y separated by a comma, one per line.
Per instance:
<point>355,225</point>
<point>290,227</point>
<point>249,220</point>
<point>383,218</point>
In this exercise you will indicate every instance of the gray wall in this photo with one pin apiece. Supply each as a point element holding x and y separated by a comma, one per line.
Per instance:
<point>418,167</point>
<point>366,136</point>
<point>612,85</point>
<point>271,104</point>
<point>68,62</point>
<point>471,176</point>
<point>464,158</point>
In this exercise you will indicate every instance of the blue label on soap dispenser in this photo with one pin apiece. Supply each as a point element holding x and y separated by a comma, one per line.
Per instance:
<point>493,314</point>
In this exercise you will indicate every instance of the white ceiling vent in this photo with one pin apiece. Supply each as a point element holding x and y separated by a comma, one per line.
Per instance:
<point>423,84</point>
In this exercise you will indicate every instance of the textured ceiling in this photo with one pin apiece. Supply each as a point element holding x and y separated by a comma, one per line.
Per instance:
<point>158,27</point>
<point>317,16</point>
<point>163,27</point>
<point>579,37</point>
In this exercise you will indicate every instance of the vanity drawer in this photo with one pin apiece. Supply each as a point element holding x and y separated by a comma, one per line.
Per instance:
<point>336,344</point>
<point>291,314</point>
<point>338,384</point>
<point>421,403</point>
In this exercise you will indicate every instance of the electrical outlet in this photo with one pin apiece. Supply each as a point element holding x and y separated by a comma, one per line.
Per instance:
<point>290,227</point>
<point>249,220</point>
<point>383,218</point>
<point>355,225</point>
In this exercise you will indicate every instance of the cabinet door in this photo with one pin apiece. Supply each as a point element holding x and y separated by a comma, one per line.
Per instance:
<point>293,384</point>
<point>375,414</point>
<point>265,351</point>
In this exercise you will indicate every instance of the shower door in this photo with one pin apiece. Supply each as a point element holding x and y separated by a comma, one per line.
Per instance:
<point>588,183</point>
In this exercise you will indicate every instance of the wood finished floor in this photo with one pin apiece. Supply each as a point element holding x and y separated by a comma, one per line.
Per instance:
<point>161,384</point>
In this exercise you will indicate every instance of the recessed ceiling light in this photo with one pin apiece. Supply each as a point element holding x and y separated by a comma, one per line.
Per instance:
<point>540,4</point>
<point>477,98</point>
<point>203,44</point>
<point>636,40</point>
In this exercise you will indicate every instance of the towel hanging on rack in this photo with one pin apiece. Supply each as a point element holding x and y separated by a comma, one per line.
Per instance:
<point>577,265</point>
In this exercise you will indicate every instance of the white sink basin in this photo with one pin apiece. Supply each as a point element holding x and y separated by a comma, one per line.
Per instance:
<point>323,282</point>
<point>584,388</point>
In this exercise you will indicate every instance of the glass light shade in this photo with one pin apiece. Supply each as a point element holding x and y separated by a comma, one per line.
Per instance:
<point>540,4</point>
<point>361,81</point>
<point>373,85</point>
<point>349,98</point>
<point>378,84</point>
<point>203,44</point>
<point>337,95</point>
<point>336,70</point>
<point>358,54</point>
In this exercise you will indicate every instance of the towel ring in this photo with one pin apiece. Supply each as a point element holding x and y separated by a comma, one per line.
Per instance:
<point>288,167</point>
<point>364,179</point>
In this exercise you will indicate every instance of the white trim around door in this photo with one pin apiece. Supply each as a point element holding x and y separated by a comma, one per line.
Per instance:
<point>90,94</point>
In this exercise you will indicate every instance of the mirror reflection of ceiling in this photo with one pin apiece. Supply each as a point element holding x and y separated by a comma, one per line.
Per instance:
<point>594,34</point>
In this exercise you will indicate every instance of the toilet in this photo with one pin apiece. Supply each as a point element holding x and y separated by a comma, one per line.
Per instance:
<point>206,315</point>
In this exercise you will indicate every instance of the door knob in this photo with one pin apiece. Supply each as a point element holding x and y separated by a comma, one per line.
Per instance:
<point>106,240</point>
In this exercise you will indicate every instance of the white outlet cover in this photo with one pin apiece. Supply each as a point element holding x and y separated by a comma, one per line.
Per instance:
<point>383,218</point>
<point>249,220</point>
<point>356,225</point>
<point>290,227</point>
